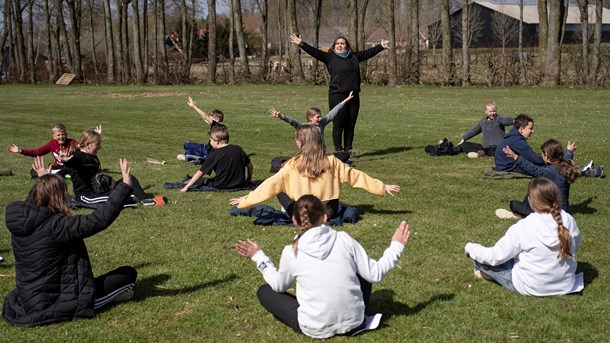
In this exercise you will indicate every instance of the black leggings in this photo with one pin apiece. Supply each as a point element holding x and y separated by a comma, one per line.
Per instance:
<point>284,306</point>
<point>344,122</point>
<point>113,283</point>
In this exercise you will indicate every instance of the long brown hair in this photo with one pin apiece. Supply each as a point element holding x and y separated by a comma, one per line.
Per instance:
<point>544,197</point>
<point>554,153</point>
<point>311,160</point>
<point>51,191</point>
<point>347,45</point>
<point>89,137</point>
<point>308,212</point>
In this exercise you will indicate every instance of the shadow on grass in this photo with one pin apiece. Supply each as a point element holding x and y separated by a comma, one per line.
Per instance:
<point>382,302</point>
<point>590,272</point>
<point>363,209</point>
<point>152,286</point>
<point>583,207</point>
<point>386,151</point>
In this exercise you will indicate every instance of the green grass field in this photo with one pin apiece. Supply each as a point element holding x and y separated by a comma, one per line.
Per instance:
<point>192,285</point>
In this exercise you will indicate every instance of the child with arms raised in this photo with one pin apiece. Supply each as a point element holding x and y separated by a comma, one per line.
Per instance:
<point>197,152</point>
<point>312,171</point>
<point>228,162</point>
<point>492,127</point>
<point>53,274</point>
<point>332,271</point>
<point>537,255</point>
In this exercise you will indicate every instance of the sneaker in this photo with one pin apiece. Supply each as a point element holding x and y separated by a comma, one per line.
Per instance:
<point>594,172</point>
<point>159,200</point>
<point>123,297</point>
<point>1,259</point>
<point>473,155</point>
<point>505,214</point>
<point>587,166</point>
<point>181,157</point>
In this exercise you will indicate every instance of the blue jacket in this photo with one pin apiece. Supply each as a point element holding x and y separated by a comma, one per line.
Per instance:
<point>550,172</point>
<point>519,145</point>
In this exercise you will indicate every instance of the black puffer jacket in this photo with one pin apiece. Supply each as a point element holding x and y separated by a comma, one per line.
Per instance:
<point>53,272</point>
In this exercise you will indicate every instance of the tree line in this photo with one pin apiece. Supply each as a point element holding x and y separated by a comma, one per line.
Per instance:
<point>183,41</point>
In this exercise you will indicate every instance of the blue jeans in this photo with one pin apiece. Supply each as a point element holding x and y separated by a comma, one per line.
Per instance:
<point>502,274</point>
<point>195,151</point>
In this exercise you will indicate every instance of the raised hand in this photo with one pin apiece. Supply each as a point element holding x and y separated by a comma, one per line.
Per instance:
<point>390,189</point>
<point>247,248</point>
<point>511,154</point>
<point>14,148</point>
<point>126,171</point>
<point>275,113</point>
<point>39,166</point>
<point>98,129</point>
<point>65,154</point>
<point>402,233</point>
<point>385,43</point>
<point>349,97</point>
<point>571,146</point>
<point>191,103</point>
<point>295,39</point>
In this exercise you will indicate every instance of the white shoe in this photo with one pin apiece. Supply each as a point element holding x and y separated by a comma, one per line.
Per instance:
<point>473,154</point>
<point>587,166</point>
<point>505,214</point>
<point>181,157</point>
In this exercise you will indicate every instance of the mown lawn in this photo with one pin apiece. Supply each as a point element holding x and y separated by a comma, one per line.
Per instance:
<point>192,286</point>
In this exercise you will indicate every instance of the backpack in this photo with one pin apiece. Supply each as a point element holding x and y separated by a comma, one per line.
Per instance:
<point>443,148</point>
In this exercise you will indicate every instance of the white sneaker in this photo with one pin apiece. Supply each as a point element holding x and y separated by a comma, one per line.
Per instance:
<point>473,154</point>
<point>181,157</point>
<point>505,214</point>
<point>587,166</point>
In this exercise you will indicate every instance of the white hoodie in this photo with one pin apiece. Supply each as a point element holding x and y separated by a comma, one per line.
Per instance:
<point>533,241</point>
<point>326,268</point>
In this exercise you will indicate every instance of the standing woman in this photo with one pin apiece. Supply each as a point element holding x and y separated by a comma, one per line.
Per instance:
<point>343,64</point>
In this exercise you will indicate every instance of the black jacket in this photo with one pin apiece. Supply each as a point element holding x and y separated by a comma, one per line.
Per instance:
<point>53,273</point>
<point>344,72</point>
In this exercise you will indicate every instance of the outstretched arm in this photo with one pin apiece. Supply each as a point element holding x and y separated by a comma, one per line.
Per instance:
<point>203,115</point>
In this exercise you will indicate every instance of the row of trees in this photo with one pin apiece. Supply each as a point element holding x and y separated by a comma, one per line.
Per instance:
<point>131,41</point>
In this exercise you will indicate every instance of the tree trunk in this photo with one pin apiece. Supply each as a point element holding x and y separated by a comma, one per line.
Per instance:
<point>137,40</point>
<point>241,43</point>
<point>392,65</point>
<point>93,44</point>
<point>415,59</point>
<point>125,41</point>
<point>31,54</point>
<point>120,60</point>
<point>75,11</point>
<point>465,44</point>
<point>50,65</point>
<point>352,25</point>
<point>20,53</point>
<point>63,35</point>
<point>583,6</point>
<point>448,66</point>
<point>522,76</point>
<point>316,36</point>
<point>543,26</point>
<point>597,40</point>
<point>263,7</point>
<point>109,39</point>
<point>553,45</point>
<point>231,40</point>
<point>361,21</point>
<point>145,39</point>
<point>295,51</point>
<point>212,40</point>
<point>186,36</point>
<point>162,78</point>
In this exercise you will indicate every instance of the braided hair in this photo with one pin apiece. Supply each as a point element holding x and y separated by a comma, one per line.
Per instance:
<point>544,197</point>
<point>308,212</point>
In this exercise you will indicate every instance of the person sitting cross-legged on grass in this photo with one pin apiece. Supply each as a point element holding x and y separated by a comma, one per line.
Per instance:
<point>516,139</point>
<point>537,255</point>
<point>53,275</point>
<point>333,274</point>
<point>230,164</point>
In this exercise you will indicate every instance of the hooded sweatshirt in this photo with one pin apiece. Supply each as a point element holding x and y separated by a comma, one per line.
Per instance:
<point>534,243</point>
<point>326,269</point>
<point>519,145</point>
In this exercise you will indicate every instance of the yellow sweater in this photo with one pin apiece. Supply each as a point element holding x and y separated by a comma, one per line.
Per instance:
<point>326,187</point>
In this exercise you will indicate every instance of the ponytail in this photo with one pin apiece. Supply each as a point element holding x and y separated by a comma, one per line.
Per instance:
<point>554,153</point>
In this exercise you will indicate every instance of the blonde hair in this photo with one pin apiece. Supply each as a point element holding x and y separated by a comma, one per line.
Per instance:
<point>59,127</point>
<point>491,104</point>
<point>89,137</point>
<point>544,197</point>
<point>311,160</point>
<point>51,191</point>
<point>308,212</point>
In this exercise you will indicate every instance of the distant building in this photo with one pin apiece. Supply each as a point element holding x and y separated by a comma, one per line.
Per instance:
<point>488,10</point>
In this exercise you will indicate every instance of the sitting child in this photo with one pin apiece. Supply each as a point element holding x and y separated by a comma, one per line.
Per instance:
<point>196,152</point>
<point>228,162</point>
<point>516,139</point>
<point>537,255</point>
<point>492,127</point>
<point>91,186</point>
<point>53,274</point>
<point>59,140</point>
<point>332,271</point>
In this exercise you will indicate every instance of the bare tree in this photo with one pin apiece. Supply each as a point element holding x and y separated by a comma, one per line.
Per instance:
<point>241,43</point>
<point>448,65</point>
<point>212,36</point>
<point>504,29</point>
<point>543,26</point>
<point>522,76</point>
<point>583,7</point>
<point>474,26</point>
<point>465,43</point>
<point>352,28</point>
<point>17,39</point>
<point>91,5</point>
<point>556,23</point>
<point>109,40</point>
<point>137,41</point>
<point>596,44</point>
<point>415,60</point>
<point>50,58</point>
<point>31,55</point>
<point>295,53</point>
<point>76,13</point>
<point>392,64</point>
<point>263,9</point>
